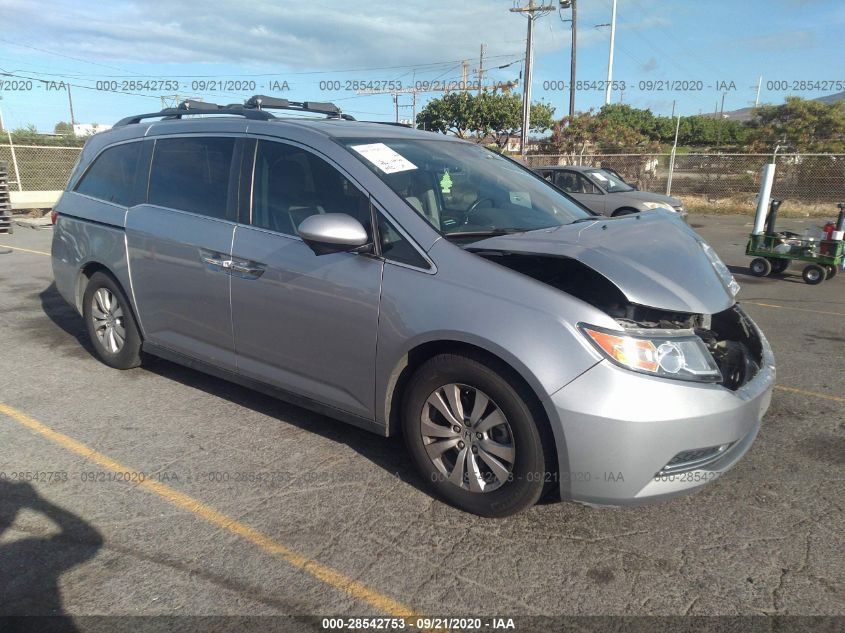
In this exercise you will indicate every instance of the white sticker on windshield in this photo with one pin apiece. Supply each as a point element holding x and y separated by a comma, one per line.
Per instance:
<point>384,158</point>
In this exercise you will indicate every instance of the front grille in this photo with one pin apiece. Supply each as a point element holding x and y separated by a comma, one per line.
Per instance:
<point>695,458</point>
<point>736,348</point>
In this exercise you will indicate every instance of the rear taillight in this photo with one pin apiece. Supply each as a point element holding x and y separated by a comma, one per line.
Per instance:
<point>53,216</point>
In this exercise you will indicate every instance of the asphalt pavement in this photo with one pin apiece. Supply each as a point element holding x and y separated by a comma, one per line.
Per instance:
<point>163,491</point>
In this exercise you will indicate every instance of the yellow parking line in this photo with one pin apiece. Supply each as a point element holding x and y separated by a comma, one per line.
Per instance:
<point>321,572</point>
<point>772,305</point>
<point>25,250</point>
<point>811,394</point>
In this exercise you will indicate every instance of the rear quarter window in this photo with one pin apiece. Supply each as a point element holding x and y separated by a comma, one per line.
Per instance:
<point>112,175</point>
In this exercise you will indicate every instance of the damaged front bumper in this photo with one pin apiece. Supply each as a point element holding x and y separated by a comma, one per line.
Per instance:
<point>626,438</point>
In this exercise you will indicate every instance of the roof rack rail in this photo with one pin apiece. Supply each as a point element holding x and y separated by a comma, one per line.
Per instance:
<point>192,107</point>
<point>263,102</point>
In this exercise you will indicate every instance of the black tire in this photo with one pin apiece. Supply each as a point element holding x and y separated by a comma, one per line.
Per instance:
<point>779,266</point>
<point>624,211</point>
<point>831,271</point>
<point>814,274</point>
<point>760,267</point>
<point>532,444</point>
<point>128,355</point>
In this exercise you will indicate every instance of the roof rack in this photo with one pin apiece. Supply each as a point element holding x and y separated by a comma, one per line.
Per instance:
<point>254,108</point>
<point>262,102</point>
<point>191,107</point>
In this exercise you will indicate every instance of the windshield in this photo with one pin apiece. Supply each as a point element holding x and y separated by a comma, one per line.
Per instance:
<point>611,183</point>
<point>464,189</point>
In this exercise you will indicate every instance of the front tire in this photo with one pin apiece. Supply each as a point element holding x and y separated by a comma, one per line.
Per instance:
<point>814,274</point>
<point>473,437</point>
<point>110,323</point>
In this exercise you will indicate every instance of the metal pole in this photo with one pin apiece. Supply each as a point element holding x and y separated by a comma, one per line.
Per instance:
<point>672,157</point>
<point>70,102</point>
<point>12,150</point>
<point>396,105</point>
<point>480,68</point>
<point>526,93</point>
<point>607,90</point>
<point>572,59</point>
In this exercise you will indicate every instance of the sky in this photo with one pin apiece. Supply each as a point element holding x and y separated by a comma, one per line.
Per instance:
<point>120,57</point>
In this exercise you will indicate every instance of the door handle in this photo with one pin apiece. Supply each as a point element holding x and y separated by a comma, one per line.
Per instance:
<point>246,269</point>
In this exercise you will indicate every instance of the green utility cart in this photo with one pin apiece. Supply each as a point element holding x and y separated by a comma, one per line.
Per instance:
<point>773,250</point>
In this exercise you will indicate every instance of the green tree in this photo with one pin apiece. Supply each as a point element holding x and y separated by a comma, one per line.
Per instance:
<point>802,125</point>
<point>487,115</point>
<point>63,127</point>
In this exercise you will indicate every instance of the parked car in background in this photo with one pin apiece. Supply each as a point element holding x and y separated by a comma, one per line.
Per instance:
<point>604,191</point>
<point>412,283</point>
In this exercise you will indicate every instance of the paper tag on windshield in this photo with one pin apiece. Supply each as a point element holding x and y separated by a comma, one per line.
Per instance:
<point>384,158</point>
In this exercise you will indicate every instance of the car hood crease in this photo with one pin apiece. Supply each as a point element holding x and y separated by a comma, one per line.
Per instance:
<point>654,259</point>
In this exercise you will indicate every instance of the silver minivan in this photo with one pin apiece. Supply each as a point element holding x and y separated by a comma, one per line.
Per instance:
<point>412,283</point>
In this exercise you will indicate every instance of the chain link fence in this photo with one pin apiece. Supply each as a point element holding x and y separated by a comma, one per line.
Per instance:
<point>41,167</point>
<point>804,177</point>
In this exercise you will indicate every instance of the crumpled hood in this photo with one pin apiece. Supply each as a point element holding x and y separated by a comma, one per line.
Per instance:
<point>654,258</point>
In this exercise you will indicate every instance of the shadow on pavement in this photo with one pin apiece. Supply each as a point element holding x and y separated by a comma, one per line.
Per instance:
<point>31,566</point>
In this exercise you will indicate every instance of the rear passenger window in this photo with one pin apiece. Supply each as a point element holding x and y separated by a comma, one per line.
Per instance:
<point>112,176</point>
<point>192,174</point>
<point>292,184</point>
<point>396,248</point>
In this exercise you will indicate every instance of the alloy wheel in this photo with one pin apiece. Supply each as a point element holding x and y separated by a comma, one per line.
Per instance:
<point>467,437</point>
<point>107,314</point>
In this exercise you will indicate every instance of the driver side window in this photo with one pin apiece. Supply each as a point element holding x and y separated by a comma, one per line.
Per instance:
<point>292,184</point>
<point>572,182</point>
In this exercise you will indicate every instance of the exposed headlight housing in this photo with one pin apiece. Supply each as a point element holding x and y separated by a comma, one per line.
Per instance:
<point>721,270</point>
<point>683,357</point>
<point>659,205</point>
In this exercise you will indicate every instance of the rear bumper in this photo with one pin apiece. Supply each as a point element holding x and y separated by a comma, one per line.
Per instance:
<point>619,430</point>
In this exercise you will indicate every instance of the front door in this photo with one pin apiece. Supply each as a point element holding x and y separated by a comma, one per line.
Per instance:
<point>579,187</point>
<point>302,322</point>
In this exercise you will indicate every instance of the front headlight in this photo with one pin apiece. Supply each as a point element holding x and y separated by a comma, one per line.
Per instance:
<point>658,205</point>
<point>682,357</point>
<point>721,270</point>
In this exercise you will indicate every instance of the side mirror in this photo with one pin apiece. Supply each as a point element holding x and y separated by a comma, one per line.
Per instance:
<point>333,233</point>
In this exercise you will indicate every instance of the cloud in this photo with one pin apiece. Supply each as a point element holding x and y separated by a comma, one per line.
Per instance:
<point>293,36</point>
<point>650,66</point>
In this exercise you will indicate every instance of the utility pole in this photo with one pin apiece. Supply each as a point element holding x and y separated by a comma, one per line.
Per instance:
<point>531,10</point>
<point>396,105</point>
<point>70,103</point>
<point>480,68</point>
<point>464,73</point>
<point>572,4</point>
<point>608,89</point>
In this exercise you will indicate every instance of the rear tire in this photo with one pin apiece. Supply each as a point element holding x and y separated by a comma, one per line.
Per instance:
<point>814,274</point>
<point>473,437</point>
<point>831,271</point>
<point>760,267</point>
<point>110,323</point>
<point>779,266</point>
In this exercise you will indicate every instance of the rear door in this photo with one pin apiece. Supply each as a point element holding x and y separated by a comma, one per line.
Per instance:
<point>180,243</point>
<point>579,187</point>
<point>304,323</point>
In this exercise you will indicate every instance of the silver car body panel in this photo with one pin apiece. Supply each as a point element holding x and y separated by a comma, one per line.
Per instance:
<point>639,254</point>
<point>334,332</point>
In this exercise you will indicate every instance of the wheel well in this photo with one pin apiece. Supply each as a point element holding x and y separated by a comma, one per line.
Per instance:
<point>422,353</point>
<point>624,211</point>
<point>85,274</point>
